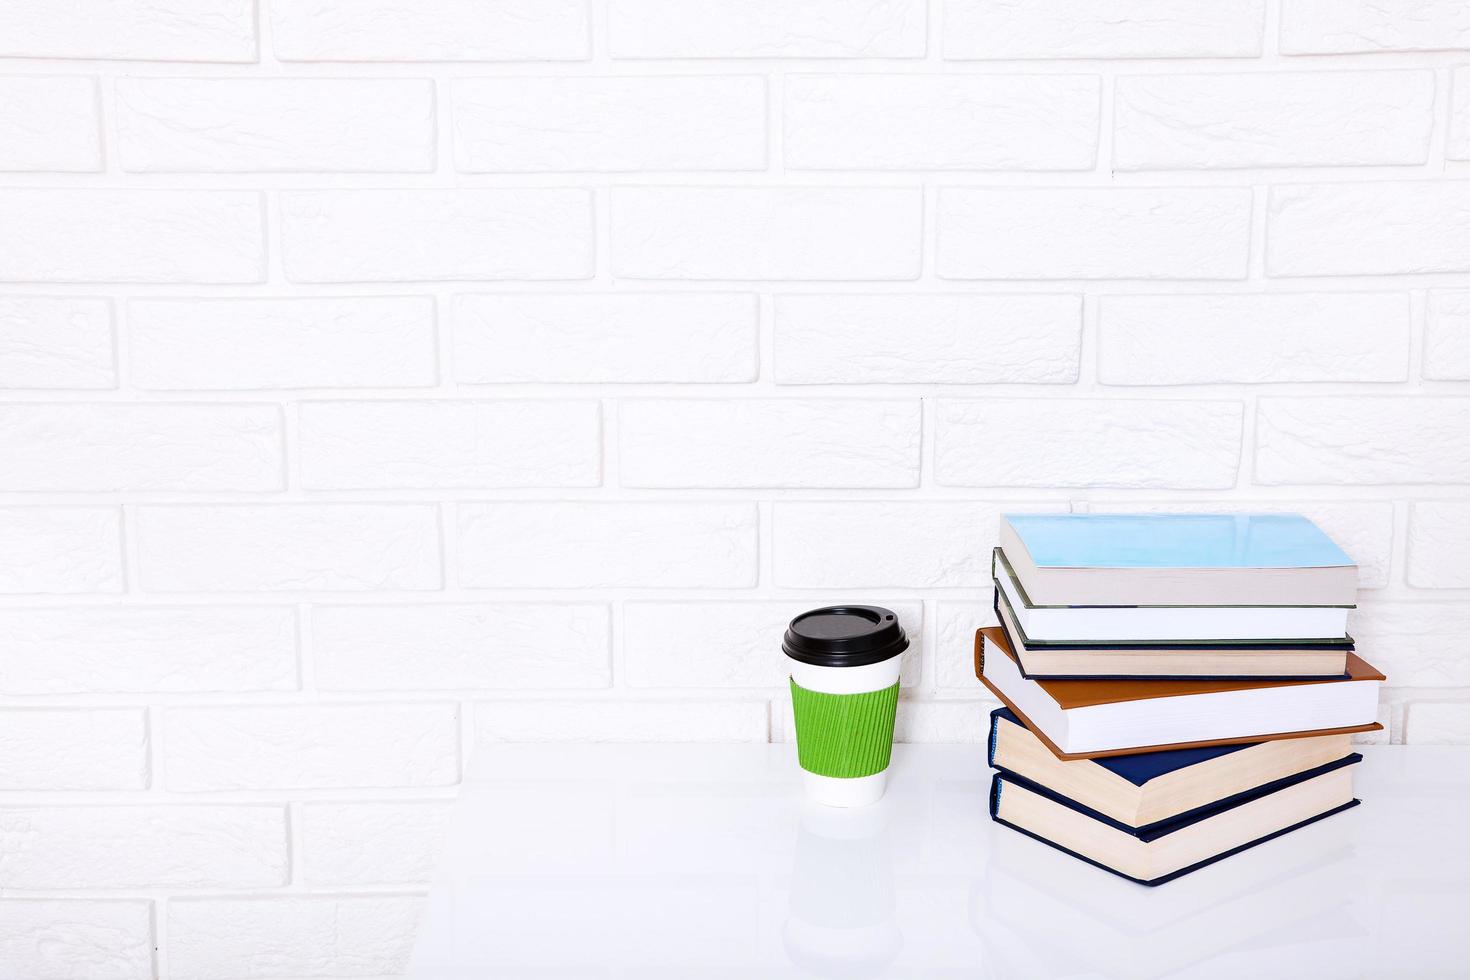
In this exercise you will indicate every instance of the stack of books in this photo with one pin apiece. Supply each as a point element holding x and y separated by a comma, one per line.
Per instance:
<point>1177,687</point>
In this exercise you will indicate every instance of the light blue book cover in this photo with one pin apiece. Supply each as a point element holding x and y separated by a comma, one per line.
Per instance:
<point>1175,541</point>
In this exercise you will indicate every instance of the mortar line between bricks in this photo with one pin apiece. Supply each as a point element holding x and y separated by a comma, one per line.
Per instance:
<point>1271,39</point>
<point>206,292</point>
<point>158,923</point>
<point>832,393</point>
<point>269,66</point>
<point>1444,121</point>
<point>325,182</point>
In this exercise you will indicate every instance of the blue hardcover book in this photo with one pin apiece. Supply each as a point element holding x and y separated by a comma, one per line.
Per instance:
<point>1155,816</point>
<point>1176,560</point>
<point>1150,792</point>
<point>1073,829</point>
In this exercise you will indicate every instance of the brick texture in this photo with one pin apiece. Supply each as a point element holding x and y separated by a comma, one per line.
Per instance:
<point>381,375</point>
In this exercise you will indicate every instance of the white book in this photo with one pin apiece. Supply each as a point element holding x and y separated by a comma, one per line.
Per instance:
<point>1109,717</point>
<point>1165,623</point>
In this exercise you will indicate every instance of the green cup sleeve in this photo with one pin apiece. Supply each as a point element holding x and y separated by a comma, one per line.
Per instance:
<point>844,735</point>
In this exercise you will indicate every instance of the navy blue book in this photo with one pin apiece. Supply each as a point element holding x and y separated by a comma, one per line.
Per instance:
<point>1151,790</point>
<point>1162,830</point>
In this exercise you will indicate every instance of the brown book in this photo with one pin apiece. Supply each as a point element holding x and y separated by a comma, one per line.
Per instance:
<point>1084,719</point>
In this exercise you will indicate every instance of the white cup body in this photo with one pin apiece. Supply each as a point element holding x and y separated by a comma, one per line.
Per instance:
<point>846,680</point>
<point>831,790</point>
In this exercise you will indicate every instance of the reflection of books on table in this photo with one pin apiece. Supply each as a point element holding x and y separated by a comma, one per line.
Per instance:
<point>1287,898</point>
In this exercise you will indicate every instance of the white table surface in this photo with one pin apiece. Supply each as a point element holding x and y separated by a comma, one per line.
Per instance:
<point>702,860</point>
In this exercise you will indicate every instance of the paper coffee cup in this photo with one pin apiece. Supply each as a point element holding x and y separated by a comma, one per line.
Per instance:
<point>844,692</point>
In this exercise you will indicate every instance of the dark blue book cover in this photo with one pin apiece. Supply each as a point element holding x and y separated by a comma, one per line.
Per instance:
<point>1018,649</point>
<point>1001,779</point>
<point>1141,768</point>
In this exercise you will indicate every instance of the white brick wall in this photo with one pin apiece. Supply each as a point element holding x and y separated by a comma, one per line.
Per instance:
<point>376,375</point>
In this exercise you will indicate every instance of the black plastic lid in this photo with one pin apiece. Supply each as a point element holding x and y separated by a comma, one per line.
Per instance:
<point>844,636</point>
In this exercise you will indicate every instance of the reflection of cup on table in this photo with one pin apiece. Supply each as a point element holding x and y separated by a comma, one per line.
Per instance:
<point>844,692</point>
<point>843,905</point>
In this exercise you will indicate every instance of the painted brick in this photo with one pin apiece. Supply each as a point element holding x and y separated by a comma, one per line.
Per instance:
<point>52,342</point>
<point>1357,440</point>
<point>927,339</point>
<point>398,236</point>
<point>1439,540</point>
<point>1382,228</point>
<point>81,235</point>
<point>605,338</point>
<point>1437,723</point>
<point>154,846</point>
<point>101,447</point>
<point>1447,336</point>
<point>1253,338</point>
<point>769,443</point>
<point>444,30</point>
<point>49,123</point>
<point>1088,443</point>
<point>1014,29</point>
<point>1346,26</point>
<point>730,644</point>
<point>1417,644</point>
<point>334,342</point>
<point>143,30</point>
<point>286,547</point>
<point>929,544</point>
<point>607,545</point>
<point>90,748</point>
<point>450,444</point>
<point>60,550</point>
<point>239,125</point>
<point>766,29</point>
<point>1364,529</point>
<point>57,939</point>
<point>310,746</point>
<point>963,722</point>
<point>584,123</point>
<point>278,936</point>
<point>942,122</point>
<point>1094,233</point>
<point>754,233</point>
<point>104,650</point>
<point>445,647</point>
<point>682,720</point>
<point>1459,138</point>
<point>1276,119</point>
<point>954,667</point>
<point>372,843</point>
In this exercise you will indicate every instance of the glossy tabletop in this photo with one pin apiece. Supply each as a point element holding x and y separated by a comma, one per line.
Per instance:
<point>703,860</point>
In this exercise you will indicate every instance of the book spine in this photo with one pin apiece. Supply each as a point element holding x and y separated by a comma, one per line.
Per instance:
<point>990,742</point>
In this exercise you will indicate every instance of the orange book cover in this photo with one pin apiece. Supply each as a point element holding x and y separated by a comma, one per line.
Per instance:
<point>1082,693</point>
